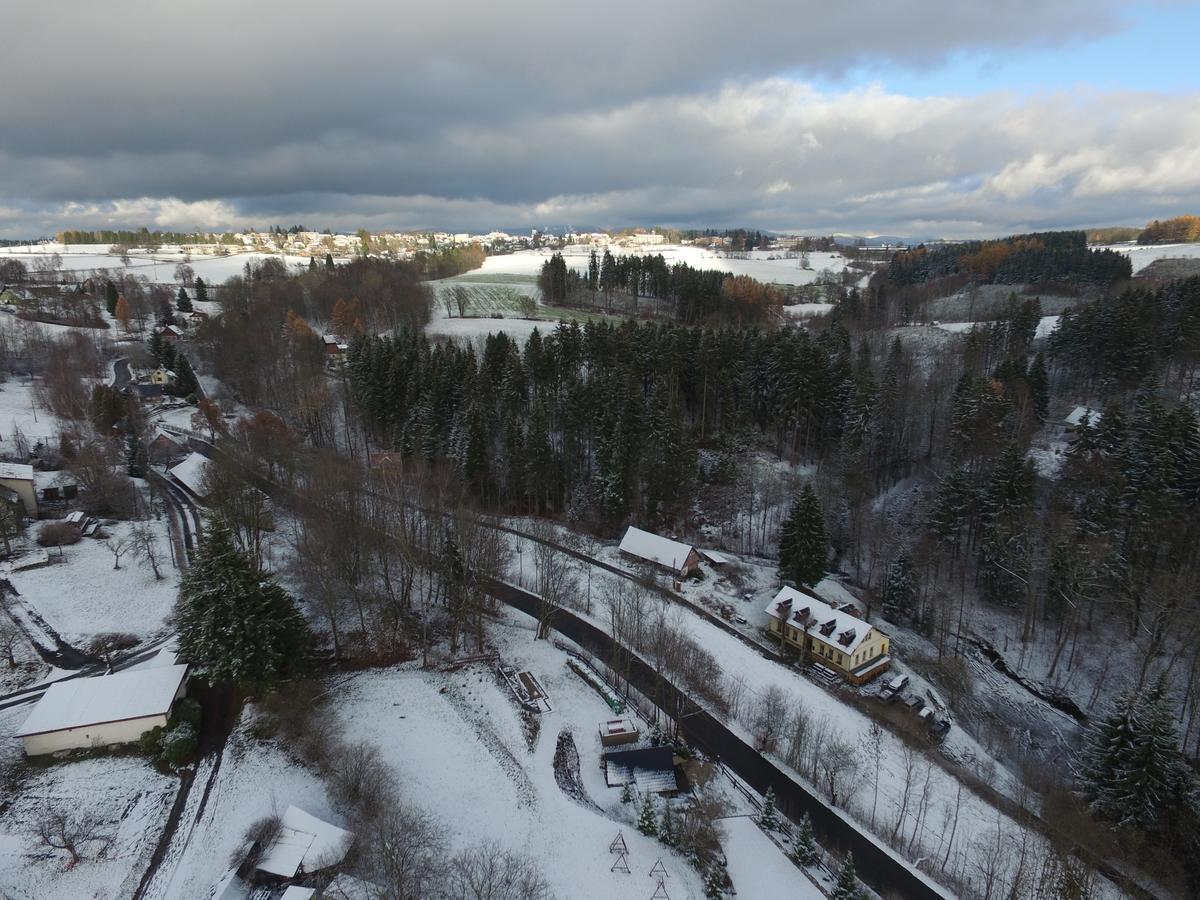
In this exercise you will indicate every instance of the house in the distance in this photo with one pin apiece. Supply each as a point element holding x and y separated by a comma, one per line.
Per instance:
<point>677,558</point>
<point>102,711</point>
<point>835,638</point>
<point>19,479</point>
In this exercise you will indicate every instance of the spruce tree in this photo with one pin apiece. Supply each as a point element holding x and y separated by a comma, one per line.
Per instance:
<point>900,591</point>
<point>234,623</point>
<point>185,379</point>
<point>110,297</point>
<point>329,262</point>
<point>201,291</point>
<point>847,882</point>
<point>805,851</point>
<point>668,830</point>
<point>182,301</point>
<point>626,793</point>
<point>803,547</point>
<point>312,264</point>
<point>768,818</point>
<point>647,822</point>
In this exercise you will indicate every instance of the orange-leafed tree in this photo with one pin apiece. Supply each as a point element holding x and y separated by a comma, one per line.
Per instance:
<point>123,313</point>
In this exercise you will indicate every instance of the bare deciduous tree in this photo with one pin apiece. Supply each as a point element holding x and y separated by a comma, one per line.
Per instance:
<point>145,545</point>
<point>74,831</point>
<point>488,871</point>
<point>118,547</point>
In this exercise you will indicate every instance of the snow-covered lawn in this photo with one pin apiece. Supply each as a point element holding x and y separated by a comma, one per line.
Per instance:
<point>255,780</point>
<point>758,867</point>
<point>457,748</point>
<point>83,595</point>
<point>129,797</point>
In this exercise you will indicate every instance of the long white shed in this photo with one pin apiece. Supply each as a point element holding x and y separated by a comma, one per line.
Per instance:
<point>104,710</point>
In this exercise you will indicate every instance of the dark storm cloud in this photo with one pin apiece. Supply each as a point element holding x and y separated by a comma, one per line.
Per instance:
<point>470,115</point>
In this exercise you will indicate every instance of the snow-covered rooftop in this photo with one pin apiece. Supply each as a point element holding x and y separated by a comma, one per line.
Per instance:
<point>105,698</point>
<point>654,548</point>
<point>651,769</point>
<point>717,559</point>
<point>190,473</point>
<point>16,471</point>
<point>834,627</point>
<point>1080,412</point>
<point>304,843</point>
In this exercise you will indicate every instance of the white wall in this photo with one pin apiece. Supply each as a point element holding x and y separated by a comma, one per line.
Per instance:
<point>125,732</point>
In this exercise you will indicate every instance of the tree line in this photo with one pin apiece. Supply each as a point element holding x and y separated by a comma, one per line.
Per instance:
<point>692,296</point>
<point>1046,257</point>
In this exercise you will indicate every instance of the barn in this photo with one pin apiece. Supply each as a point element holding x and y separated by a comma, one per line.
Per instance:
<point>101,711</point>
<point>677,558</point>
<point>19,479</point>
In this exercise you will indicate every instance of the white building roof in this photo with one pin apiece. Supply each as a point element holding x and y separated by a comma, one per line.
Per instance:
<point>717,559</point>
<point>295,892</point>
<point>304,843</point>
<point>190,473</point>
<point>1078,413</point>
<point>16,471</point>
<point>654,548</point>
<point>846,633</point>
<point>105,698</point>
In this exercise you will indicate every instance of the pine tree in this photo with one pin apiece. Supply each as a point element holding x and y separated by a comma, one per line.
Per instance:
<point>329,262</point>
<point>647,822</point>
<point>134,456</point>
<point>110,297</point>
<point>626,793</point>
<point>183,302</point>
<point>847,882</point>
<point>201,291</point>
<point>768,818</point>
<point>1039,387</point>
<point>312,264</point>
<point>185,379</point>
<point>803,546</point>
<point>668,830</point>
<point>234,623</point>
<point>805,851</point>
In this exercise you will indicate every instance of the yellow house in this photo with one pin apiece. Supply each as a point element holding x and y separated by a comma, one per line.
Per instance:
<point>19,479</point>
<point>835,638</point>
<point>162,376</point>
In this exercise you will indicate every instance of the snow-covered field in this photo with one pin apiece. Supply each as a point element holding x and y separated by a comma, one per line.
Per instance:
<point>159,267</point>
<point>757,264</point>
<point>83,595</point>
<point>1142,256</point>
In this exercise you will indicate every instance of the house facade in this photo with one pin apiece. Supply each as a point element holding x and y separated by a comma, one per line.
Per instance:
<point>19,479</point>
<point>835,638</point>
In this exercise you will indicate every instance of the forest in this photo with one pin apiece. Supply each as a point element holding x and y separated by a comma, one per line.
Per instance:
<point>1042,258</point>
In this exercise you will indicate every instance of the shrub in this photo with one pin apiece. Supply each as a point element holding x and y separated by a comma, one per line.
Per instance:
<point>180,744</point>
<point>187,711</point>
<point>58,534</point>
<point>150,743</point>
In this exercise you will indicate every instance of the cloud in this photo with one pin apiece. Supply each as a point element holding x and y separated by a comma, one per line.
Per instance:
<point>523,114</point>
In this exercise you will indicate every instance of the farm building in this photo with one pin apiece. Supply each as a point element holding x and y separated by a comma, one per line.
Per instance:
<point>303,844</point>
<point>651,769</point>
<point>101,711</point>
<point>19,479</point>
<point>163,449</point>
<point>1079,413</point>
<point>836,638</point>
<point>677,558</point>
<point>190,475</point>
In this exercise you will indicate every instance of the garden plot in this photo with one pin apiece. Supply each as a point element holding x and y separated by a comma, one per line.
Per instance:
<point>83,595</point>
<point>130,801</point>
<point>458,750</point>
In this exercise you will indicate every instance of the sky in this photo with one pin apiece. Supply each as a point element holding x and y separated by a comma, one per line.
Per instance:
<point>920,119</point>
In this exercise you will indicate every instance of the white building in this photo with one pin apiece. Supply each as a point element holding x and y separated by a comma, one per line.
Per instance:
<point>19,479</point>
<point>191,475</point>
<point>100,711</point>
<point>678,558</point>
<point>304,844</point>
